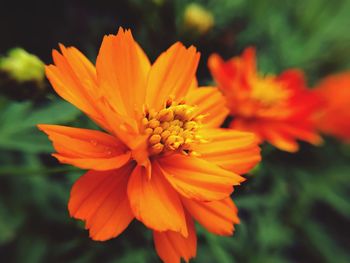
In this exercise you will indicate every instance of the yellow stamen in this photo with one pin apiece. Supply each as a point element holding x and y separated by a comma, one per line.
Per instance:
<point>154,139</point>
<point>144,121</point>
<point>158,130</point>
<point>149,131</point>
<point>156,149</point>
<point>173,128</point>
<point>153,123</point>
<point>165,115</point>
<point>165,125</point>
<point>267,91</point>
<point>165,134</point>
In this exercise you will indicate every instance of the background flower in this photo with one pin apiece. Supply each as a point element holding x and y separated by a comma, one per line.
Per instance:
<point>278,109</point>
<point>333,118</point>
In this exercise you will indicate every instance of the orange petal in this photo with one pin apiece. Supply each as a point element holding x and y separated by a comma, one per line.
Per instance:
<point>249,60</point>
<point>194,85</point>
<point>122,70</point>
<point>301,132</point>
<point>223,73</point>
<point>293,78</point>
<point>144,61</point>
<point>74,78</point>
<point>99,198</point>
<point>232,75</point>
<point>154,202</point>
<point>333,116</point>
<point>172,246</point>
<point>266,130</point>
<point>217,217</point>
<point>233,150</point>
<point>284,135</point>
<point>279,139</point>
<point>198,179</point>
<point>86,149</point>
<point>211,103</point>
<point>171,75</point>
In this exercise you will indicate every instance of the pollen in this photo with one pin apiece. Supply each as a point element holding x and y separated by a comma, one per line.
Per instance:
<point>173,129</point>
<point>268,92</point>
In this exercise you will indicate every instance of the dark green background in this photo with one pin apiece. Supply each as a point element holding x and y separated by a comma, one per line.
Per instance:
<point>293,208</point>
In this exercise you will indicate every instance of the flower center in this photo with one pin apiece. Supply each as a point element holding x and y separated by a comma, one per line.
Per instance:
<point>267,91</point>
<point>172,129</point>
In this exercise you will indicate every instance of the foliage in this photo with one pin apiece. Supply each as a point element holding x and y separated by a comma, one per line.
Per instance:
<point>293,208</point>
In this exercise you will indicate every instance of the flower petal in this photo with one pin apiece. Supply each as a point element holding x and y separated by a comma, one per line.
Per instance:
<point>171,75</point>
<point>99,198</point>
<point>293,78</point>
<point>279,139</point>
<point>301,132</point>
<point>198,179</point>
<point>172,246</point>
<point>233,150</point>
<point>217,217</point>
<point>225,73</point>
<point>122,70</point>
<point>86,149</point>
<point>334,114</point>
<point>211,103</point>
<point>74,78</point>
<point>154,202</point>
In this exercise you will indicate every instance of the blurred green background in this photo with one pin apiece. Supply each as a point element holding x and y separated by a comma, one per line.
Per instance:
<point>293,208</point>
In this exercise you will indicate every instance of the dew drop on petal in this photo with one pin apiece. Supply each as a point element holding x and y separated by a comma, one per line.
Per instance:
<point>93,142</point>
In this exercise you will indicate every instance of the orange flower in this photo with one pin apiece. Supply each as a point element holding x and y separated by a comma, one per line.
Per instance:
<point>162,158</point>
<point>277,109</point>
<point>333,118</point>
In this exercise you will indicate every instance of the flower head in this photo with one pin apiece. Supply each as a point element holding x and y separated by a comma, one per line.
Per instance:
<point>198,19</point>
<point>278,109</point>
<point>161,158</point>
<point>333,118</point>
<point>22,66</point>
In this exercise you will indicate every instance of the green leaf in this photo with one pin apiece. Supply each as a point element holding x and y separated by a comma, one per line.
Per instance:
<point>18,129</point>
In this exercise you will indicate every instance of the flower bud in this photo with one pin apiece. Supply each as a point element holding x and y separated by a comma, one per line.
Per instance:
<point>198,19</point>
<point>22,66</point>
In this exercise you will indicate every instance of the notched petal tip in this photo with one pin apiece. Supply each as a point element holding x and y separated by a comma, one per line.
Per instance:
<point>172,246</point>
<point>155,203</point>
<point>218,217</point>
<point>213,58</point>
<point>198,179</point>
<point>215,64</point>
<point>41,127</point>
<point>100,200</point>
<point>249,51</point>
<point>62,47</point>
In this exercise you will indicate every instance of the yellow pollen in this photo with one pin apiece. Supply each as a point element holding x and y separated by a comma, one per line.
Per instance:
<point>154,139</point>
<point>158,130</point>
<point>173,128</point>
<point>165,125</point>
<point>153,123</point>
<point>165,115</point>
<point>267,91</point>
<point>149,131</point>
<point>156,149</point>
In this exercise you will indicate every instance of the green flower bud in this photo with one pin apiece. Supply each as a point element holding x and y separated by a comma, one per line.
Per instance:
<point>198,19</point>
<point>22,66</point>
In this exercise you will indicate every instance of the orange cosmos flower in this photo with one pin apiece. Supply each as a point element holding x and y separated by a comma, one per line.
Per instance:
<point>277,109</point>
<point>334,117</point>
<point>161,158</point>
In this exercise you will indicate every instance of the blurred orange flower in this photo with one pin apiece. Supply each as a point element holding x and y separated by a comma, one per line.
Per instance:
<point>161,158</point>
<point>334,116</point>
<point>278,109</point>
